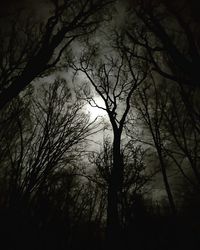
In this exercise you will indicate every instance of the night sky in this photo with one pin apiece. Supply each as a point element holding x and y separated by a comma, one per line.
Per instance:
<point>135,183</point>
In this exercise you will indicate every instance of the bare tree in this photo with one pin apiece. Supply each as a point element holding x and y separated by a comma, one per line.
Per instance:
<point>167,37</point>
<point>134,175</point>
<point>30,50</point>
<point>168,41</point>
<point>152,113</point>
<point>51,141</point>
<point>114,80</point>
<point>169,34</point>
<point>184,139</point>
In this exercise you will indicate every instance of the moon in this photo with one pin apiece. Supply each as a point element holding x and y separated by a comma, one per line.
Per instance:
<point>96,108</point>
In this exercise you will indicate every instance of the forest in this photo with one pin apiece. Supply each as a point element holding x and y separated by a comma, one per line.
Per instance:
<point>99,125</point>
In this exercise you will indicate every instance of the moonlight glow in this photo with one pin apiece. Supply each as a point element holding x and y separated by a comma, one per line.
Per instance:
<point>95,108</point>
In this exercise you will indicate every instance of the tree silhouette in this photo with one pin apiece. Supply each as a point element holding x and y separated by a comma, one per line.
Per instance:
<point>57,190</point>
<point>168,33</point>
<point>152,112</point>
<point>48,142</point>
<point>184,132</point>
<point>114,80</point>
<point>134,175</point>
<point>30,50</point>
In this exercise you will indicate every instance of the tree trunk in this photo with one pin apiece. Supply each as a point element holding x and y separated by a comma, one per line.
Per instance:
<point>166,183</point>
<point>114,193</point>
